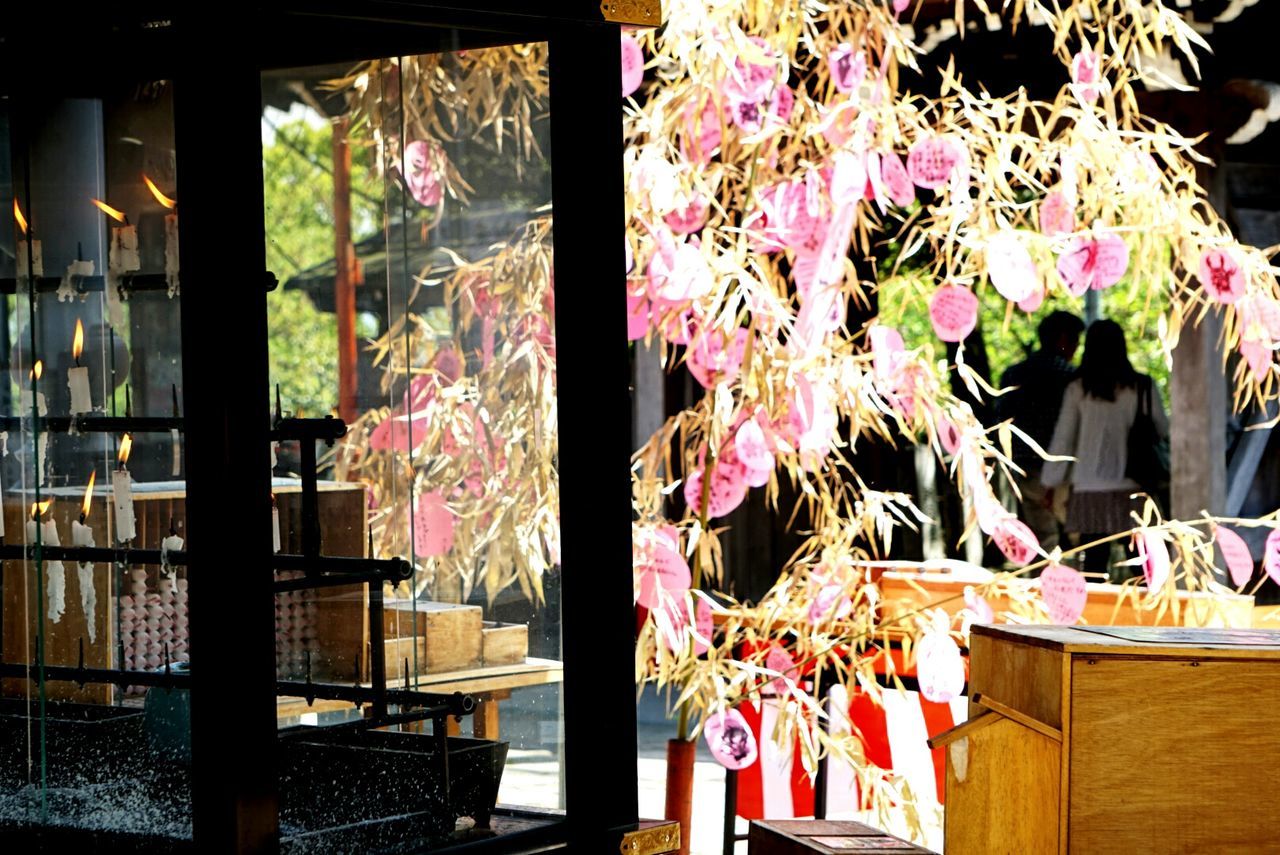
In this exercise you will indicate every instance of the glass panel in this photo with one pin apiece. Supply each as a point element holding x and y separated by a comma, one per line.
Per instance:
<point>417,306</point>
<point>90,341</point>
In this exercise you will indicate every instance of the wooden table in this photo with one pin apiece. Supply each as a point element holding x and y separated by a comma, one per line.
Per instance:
<point>489,686</point>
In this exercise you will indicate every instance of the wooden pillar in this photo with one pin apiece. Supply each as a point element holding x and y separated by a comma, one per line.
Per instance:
<point>344,286</point>
<point>1198,408</point>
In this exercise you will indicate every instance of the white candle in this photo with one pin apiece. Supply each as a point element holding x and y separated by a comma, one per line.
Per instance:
<point>30,260</point>
<point>275,528</point>
<point>82,535</point>
<point>122,500</point>
<point>55,575</point>
<point>122,256</point>
<point>78,384</point>
<point>41,406</point>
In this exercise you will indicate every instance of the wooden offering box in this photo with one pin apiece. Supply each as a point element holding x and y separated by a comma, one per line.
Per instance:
<point>1116,739</point>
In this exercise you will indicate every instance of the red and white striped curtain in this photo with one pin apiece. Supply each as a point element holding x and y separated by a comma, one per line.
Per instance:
<point>894,732</point>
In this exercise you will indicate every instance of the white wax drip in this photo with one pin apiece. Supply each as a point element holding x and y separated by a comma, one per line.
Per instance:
<point>66,288</point>
<point>56,574</point>
<point>82,535</point>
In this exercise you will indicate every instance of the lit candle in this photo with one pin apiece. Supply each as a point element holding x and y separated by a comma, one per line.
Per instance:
<point>78,377</point>
<point>30,260</point>
<point>275,524</point>
<point>82,535</point>
<point>170,235</point>
<point>122,253</point>
<point>122,494</point>
<point>26,398</point>
<point>55,573</point>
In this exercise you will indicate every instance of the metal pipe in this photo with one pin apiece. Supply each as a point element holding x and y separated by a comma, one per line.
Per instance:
<point>94,424</point>
<point>128,282</point>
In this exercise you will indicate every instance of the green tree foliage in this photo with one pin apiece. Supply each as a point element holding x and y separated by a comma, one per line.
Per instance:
<point>298,201</point>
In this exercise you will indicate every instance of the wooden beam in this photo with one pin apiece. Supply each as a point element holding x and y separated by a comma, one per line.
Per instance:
<point>344,286</point>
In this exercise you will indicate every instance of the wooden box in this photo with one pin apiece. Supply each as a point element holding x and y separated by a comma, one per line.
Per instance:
<point>828,837</point>
<point>450,634</point>
<point>504,643</point>
<point>1116,739</point>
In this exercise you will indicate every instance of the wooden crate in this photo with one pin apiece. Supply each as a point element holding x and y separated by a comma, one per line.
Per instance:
<point>1116,739</point>
<point>827,837</point>
<point>504,643</point>
<point>451,634</point>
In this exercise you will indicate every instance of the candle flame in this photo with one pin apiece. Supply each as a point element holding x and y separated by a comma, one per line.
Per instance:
<point>17,215</point>
<point>88,497</point>
<point>38,508</point>
<point>77,341</point>
<point>111,212</point>
<point>37,369</point>
<point>126,445</point>
<point>160,197</point>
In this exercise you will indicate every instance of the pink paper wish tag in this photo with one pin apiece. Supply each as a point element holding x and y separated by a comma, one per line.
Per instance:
<point>432,525</point>
<point>751,446</point>
<point>1064,593</point>
<point>931,163</point>
<point>1235,552</point>
<point>954,312</point>
<point>1018,542</point>
<point>896,180</point>
<point>632,65</point>
<point>1010,268</point>
<point>728,489</point>
<point>978,606</point>
<point>731,741</point>
<point>1271,556</point>
<point>1093,263</point>
<point>1155,559</point>
<point>1057,214</point>
<point>662,569</point>
<point>939,667</point>
<point>1221,276</point>
<point>780,660</point>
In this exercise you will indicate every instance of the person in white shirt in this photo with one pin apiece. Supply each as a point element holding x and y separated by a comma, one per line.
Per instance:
<point>1098,410</point>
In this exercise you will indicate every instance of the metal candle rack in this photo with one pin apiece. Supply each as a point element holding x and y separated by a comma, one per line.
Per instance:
<point>319,571</point>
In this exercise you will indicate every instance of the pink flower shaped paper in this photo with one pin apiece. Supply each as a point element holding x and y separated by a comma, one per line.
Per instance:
<point>1057,214</point>
<point>730,740</point>
<point>433,525</point>
<point>1235,552</point>
<point>931,163</point>
<point>939,667</point>
<point>1018,542</point>
<point>1271,556</point>
<point>1086,76</point>
<point>1220,276</point>
<point>897,180</point>
<point>632,65</point>
<point>637,315</point>
<point>1155,559</point>
<point>978,606</point>
<point>781,661</point>
<point>751,116</point>
<point>847,67</point>
<point>1258,357</point>
<point>728,489</point>
<point>702,134</point>
<point>751,446</point>
<point>423,168</point>
<point>953,310</point>
<point>749,80</point>
<point>830,603</point>
<point>1259,318</point>
<point>691,217</point>
<point>659,567</point>
<point>678,272</point>
<point>1064,593</point>
<point>712,359</point>
<point>1093,262</point>
<point>1033,301</point>
<point>1010,268</point>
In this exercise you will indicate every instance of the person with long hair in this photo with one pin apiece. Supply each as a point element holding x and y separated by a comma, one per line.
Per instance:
<point>1098,411</point>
